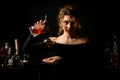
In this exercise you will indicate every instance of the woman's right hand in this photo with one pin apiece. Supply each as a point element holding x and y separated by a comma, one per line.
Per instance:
<point>37,28</point>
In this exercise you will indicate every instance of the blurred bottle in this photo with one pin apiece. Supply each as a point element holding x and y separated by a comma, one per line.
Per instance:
<point>16,56</point>
<point>7,55</point>
<point>115,54</point>
<point>6,48</point>
<point>24,60</point>
<point>107,56</point>
<point>9,58</point>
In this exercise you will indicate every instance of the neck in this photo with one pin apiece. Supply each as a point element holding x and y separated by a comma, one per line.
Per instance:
<point>67,35</point>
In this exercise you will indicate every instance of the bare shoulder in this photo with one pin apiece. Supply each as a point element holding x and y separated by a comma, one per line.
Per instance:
<point>84,39</point>
<point>53,39</point>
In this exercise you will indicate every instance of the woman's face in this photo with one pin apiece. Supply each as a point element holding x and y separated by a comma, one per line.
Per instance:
<point>69,23</point>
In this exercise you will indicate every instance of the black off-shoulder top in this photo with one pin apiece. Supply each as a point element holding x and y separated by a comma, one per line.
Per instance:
<point>76,58</point>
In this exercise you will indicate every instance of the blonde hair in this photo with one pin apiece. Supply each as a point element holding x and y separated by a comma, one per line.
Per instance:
<point>69,9</point>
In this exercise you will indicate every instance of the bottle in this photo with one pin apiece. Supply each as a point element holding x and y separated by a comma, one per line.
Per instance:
<point>107,56</point>
<point>6,48</point>
<point>16,57</point>
<point>9,58</point>
<point>115,54</point>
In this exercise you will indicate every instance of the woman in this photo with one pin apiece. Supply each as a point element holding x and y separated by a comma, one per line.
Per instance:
<point>71,51</point>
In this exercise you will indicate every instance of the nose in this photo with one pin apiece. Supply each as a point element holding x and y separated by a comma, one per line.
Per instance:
<point>69,25</point>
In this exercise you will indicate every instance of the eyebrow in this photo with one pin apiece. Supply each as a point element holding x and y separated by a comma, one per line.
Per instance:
<point>65,21</point>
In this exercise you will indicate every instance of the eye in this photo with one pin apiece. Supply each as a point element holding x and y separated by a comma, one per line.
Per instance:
<point>66,22</point>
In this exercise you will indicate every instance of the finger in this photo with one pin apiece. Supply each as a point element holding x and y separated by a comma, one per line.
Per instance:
<point>37,22</point>
<point>40,21</point>
<point>44,21</point>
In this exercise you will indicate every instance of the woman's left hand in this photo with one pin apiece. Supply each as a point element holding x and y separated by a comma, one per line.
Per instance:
<point>52,60</point>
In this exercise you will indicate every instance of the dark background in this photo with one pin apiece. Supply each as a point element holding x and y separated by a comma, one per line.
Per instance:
<point>16,16</point>
<point>101,18</point>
